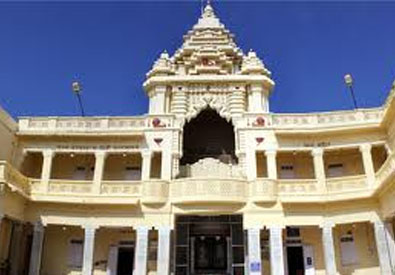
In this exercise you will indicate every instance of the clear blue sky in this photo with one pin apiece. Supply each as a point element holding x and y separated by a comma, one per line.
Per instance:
<point>110,46</point>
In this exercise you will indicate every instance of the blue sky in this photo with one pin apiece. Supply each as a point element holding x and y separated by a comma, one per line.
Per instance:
<point>109,47</point>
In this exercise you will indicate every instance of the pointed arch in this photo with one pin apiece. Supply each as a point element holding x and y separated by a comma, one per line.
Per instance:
<point>208,135</point>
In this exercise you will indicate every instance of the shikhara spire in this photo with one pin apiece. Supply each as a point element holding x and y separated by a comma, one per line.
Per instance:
<point>209,48</point>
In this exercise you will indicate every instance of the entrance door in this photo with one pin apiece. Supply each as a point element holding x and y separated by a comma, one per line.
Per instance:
<point>295,260</point>
<point>125,261</point>
<point>210,255</point>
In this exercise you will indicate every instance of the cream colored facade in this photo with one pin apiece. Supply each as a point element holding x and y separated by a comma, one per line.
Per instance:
<point>208,171</point>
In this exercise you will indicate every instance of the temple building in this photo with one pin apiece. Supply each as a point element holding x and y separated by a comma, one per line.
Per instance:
<point>209,182</point>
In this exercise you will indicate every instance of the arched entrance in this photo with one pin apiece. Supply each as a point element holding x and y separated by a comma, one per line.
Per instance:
<point>208,135</point>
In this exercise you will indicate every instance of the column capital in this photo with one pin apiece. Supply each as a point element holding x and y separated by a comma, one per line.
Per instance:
<point>142,229</point>
<point>146,153</point>
<point>327,224</point>
<point>379,223</point>
<point>276,226</point>
<point>38,226</point>
<point>366,147</point>
<point>90,226</point>
<point>48,153</point>
<point>317,152</point>
<point>163,228</point>
<point>254,228</point>
<point>270,152</point>
<point>101,154</point>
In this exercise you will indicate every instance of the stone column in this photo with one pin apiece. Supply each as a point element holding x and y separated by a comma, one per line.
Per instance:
<point>46,168</point>
<point>36,250</point>
<point>1,220</point>
<point>271,163</point>
<point>160,99</point>
<point>166,164</point>
<point>391,243</point>
<point>179,102</point>
<point>89,249</point>
<point>236,101</point>
<point>16,248</point>
<point>100,159</point>
<point>250,164</point>
<point>382,246</point>
<point>319,167</point>
<point>329,249</point>
<point>256,95</point>
<point>388,149</point>
<point>140,265</point>
<point>276,250</point>
<point>164,250</point>
<point>368,163</point>
<point>175,168</point>
<point>146,156</point>
<point>254,251</point>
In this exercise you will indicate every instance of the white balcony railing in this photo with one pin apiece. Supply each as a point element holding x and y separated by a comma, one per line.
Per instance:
<point>222,188</point>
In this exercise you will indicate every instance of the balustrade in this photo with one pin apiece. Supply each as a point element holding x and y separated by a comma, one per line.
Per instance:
<point>201,188</point>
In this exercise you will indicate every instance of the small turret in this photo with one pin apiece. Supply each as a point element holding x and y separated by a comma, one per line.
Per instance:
<point>162,66</point>
<point>253,65</point>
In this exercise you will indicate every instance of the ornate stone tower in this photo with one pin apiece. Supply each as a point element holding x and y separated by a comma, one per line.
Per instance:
<point>209,70</point>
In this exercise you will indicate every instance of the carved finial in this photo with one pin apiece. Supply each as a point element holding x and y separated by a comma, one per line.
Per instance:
<point>208,10</point>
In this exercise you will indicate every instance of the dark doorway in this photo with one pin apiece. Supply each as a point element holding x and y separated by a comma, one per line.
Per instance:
<point>125,261</point>
<point>208,135</point>
<point>209,245</point>
<point>28,249</point>
<point>295,260</point>
<point>210,255</point>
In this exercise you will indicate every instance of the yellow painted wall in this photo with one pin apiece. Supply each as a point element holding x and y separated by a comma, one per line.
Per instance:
<point>64,165</point>
<point>311,235</point>
<point>351,159</point>
<point>7,135</point>
<point>387,202</point>
<point>55,249</point>
<point>13,205</point>
<point>302,163</point>
<point>365,246</point>
<point>115,166</point>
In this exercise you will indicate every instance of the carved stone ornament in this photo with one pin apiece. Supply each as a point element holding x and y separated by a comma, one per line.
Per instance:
<point>211,168</point>
<point>260,121</point>
<point>217,102</point>
<point>158,140</point>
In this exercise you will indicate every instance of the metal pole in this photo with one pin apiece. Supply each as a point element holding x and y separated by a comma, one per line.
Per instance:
<point>353,97</point>
<point>76,87</point>
<point>81,106</point>
<point>349,82</point>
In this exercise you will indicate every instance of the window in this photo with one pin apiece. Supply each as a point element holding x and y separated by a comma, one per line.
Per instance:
<point>348,250</point>
<point>76,248</point>
<point>132,173</point>
<point>335,170</point>
<point>287,171</point>
<point>79,173</point>
<point>293,236</point>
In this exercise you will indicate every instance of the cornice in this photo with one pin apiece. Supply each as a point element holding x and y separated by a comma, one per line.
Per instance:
<point>7,121</point>
<point>197,79</point>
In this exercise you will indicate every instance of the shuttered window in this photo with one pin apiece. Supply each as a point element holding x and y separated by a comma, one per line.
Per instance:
<point>76,249</point>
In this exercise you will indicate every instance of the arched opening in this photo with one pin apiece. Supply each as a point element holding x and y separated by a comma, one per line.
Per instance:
<point>208,135</point>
